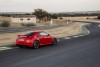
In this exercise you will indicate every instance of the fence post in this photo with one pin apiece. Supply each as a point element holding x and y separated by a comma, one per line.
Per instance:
<point>51,22</point>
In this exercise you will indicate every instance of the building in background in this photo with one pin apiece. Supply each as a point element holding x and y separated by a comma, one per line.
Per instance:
<point>17,18</point>
<point>23,19</point>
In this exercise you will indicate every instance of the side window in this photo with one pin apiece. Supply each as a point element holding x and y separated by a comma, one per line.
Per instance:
<point>42,34</point>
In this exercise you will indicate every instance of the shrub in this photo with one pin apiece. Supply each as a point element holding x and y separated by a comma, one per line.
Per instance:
<point>98,17</point>
<point>5,24</point>
<point>87,18</point>
<point>60,18</point>
<point>28,24</point>
<point>54,16</point>
<point>22,24</point>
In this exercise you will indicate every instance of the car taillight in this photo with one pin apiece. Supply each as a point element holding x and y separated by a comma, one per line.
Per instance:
<point>28,41</point>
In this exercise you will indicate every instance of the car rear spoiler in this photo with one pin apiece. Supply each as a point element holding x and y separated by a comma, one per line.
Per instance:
<point>22,36</point>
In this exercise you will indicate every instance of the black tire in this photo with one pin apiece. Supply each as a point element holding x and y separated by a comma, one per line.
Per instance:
<point>36,44</point>
<point>54,42</point>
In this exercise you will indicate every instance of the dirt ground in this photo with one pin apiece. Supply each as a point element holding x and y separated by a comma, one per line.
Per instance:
<point>73,29</point>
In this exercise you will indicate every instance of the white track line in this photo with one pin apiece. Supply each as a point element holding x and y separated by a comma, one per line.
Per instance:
<point>81,35</point>
<point>75,36</point>
<point>58,39</point>
<point>68,38</point>
<point>87,31</point>
<point>99,25</point>
<point>7,48</point>
<point>4,48</point>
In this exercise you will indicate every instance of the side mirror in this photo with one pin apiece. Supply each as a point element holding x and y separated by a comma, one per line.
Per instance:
<point>48,35</point>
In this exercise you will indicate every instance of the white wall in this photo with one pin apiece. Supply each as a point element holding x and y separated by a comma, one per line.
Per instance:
<point>25,20</point>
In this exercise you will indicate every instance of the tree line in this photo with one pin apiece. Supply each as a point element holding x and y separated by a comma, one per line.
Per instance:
<point>44,15</point>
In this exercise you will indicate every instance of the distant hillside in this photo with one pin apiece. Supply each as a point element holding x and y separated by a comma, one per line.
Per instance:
<point>60,14</point>
<point>82,13</point>
<point>8,14</point>
<point>15,12</point>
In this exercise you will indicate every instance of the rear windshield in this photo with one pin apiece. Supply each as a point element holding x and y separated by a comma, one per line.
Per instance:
<point>29,34</point>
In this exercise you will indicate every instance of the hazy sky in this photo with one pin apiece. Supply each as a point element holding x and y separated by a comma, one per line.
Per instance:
<point>49,5</point>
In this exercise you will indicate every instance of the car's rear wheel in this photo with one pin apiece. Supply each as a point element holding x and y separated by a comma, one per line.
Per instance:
<point>36,44</point>
<point>54,42</point>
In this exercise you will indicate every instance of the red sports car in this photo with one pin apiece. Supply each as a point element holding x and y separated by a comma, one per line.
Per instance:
<point>35,39</point>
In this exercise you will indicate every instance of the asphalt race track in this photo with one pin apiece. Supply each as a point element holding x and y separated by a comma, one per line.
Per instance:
<point>82,51</point>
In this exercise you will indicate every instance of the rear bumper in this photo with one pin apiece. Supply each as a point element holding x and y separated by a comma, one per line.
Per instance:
<point>24,44</point>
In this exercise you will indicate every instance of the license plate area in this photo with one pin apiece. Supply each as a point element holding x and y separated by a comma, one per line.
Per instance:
<point>21,39</point>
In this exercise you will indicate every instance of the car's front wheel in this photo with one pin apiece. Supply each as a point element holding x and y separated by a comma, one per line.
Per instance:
<point>36,44</point>
<point>54,42</point>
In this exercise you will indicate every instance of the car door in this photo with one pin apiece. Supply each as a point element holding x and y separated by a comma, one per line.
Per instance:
<point>47,38</point>
<point>41,39</point>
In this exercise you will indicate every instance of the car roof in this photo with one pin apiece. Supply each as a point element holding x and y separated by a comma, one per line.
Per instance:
<point>38,31</point>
